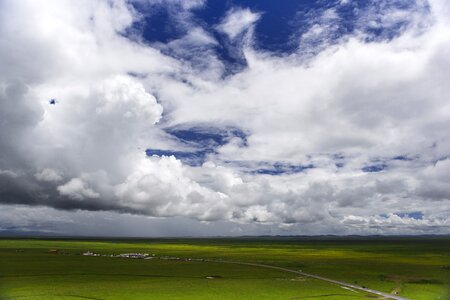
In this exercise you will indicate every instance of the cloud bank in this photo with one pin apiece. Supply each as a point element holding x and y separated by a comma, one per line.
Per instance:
<point>348,133</point>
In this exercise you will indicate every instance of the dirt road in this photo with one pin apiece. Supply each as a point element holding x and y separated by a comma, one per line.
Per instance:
<point>340,283</point>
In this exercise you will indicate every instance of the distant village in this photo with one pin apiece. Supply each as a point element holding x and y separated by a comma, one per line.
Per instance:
<point>123,255</point>
<point>141,256</point>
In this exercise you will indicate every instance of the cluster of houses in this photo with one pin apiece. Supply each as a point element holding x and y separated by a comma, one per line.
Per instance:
<point>89,253</point>
<point>135,255</point>
<point>123,255</point>
<point>141,256</point>
<point>178,258</point>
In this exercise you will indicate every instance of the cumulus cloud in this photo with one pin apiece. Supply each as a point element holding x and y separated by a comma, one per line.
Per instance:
<point>76,189</point>
<point>48,175</point>
<point>351,140</point>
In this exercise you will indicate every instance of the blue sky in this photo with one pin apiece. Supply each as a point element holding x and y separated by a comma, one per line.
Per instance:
<point>224,117</point>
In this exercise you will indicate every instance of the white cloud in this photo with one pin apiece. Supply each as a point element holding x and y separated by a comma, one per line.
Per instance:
<point>77,189</point>
<point>49,175</point>
<point>237,21</point>
<point>160,187</point>
<point>8,173</point>
<point>122,98</point>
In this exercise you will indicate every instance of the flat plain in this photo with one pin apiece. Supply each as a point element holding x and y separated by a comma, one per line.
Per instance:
<point>196,268</point>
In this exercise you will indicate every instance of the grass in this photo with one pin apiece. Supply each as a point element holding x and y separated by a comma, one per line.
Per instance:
<point>416,268</point>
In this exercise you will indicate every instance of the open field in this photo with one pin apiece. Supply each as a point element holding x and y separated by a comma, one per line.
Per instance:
<point>415,268</point>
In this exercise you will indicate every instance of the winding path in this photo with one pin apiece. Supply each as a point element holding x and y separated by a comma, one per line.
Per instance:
<point>344,284</point>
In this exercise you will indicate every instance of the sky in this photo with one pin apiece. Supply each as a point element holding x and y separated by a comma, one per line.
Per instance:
<point>235,117</point>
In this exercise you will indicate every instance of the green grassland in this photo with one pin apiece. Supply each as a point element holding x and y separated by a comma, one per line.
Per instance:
<point>416,268</point>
